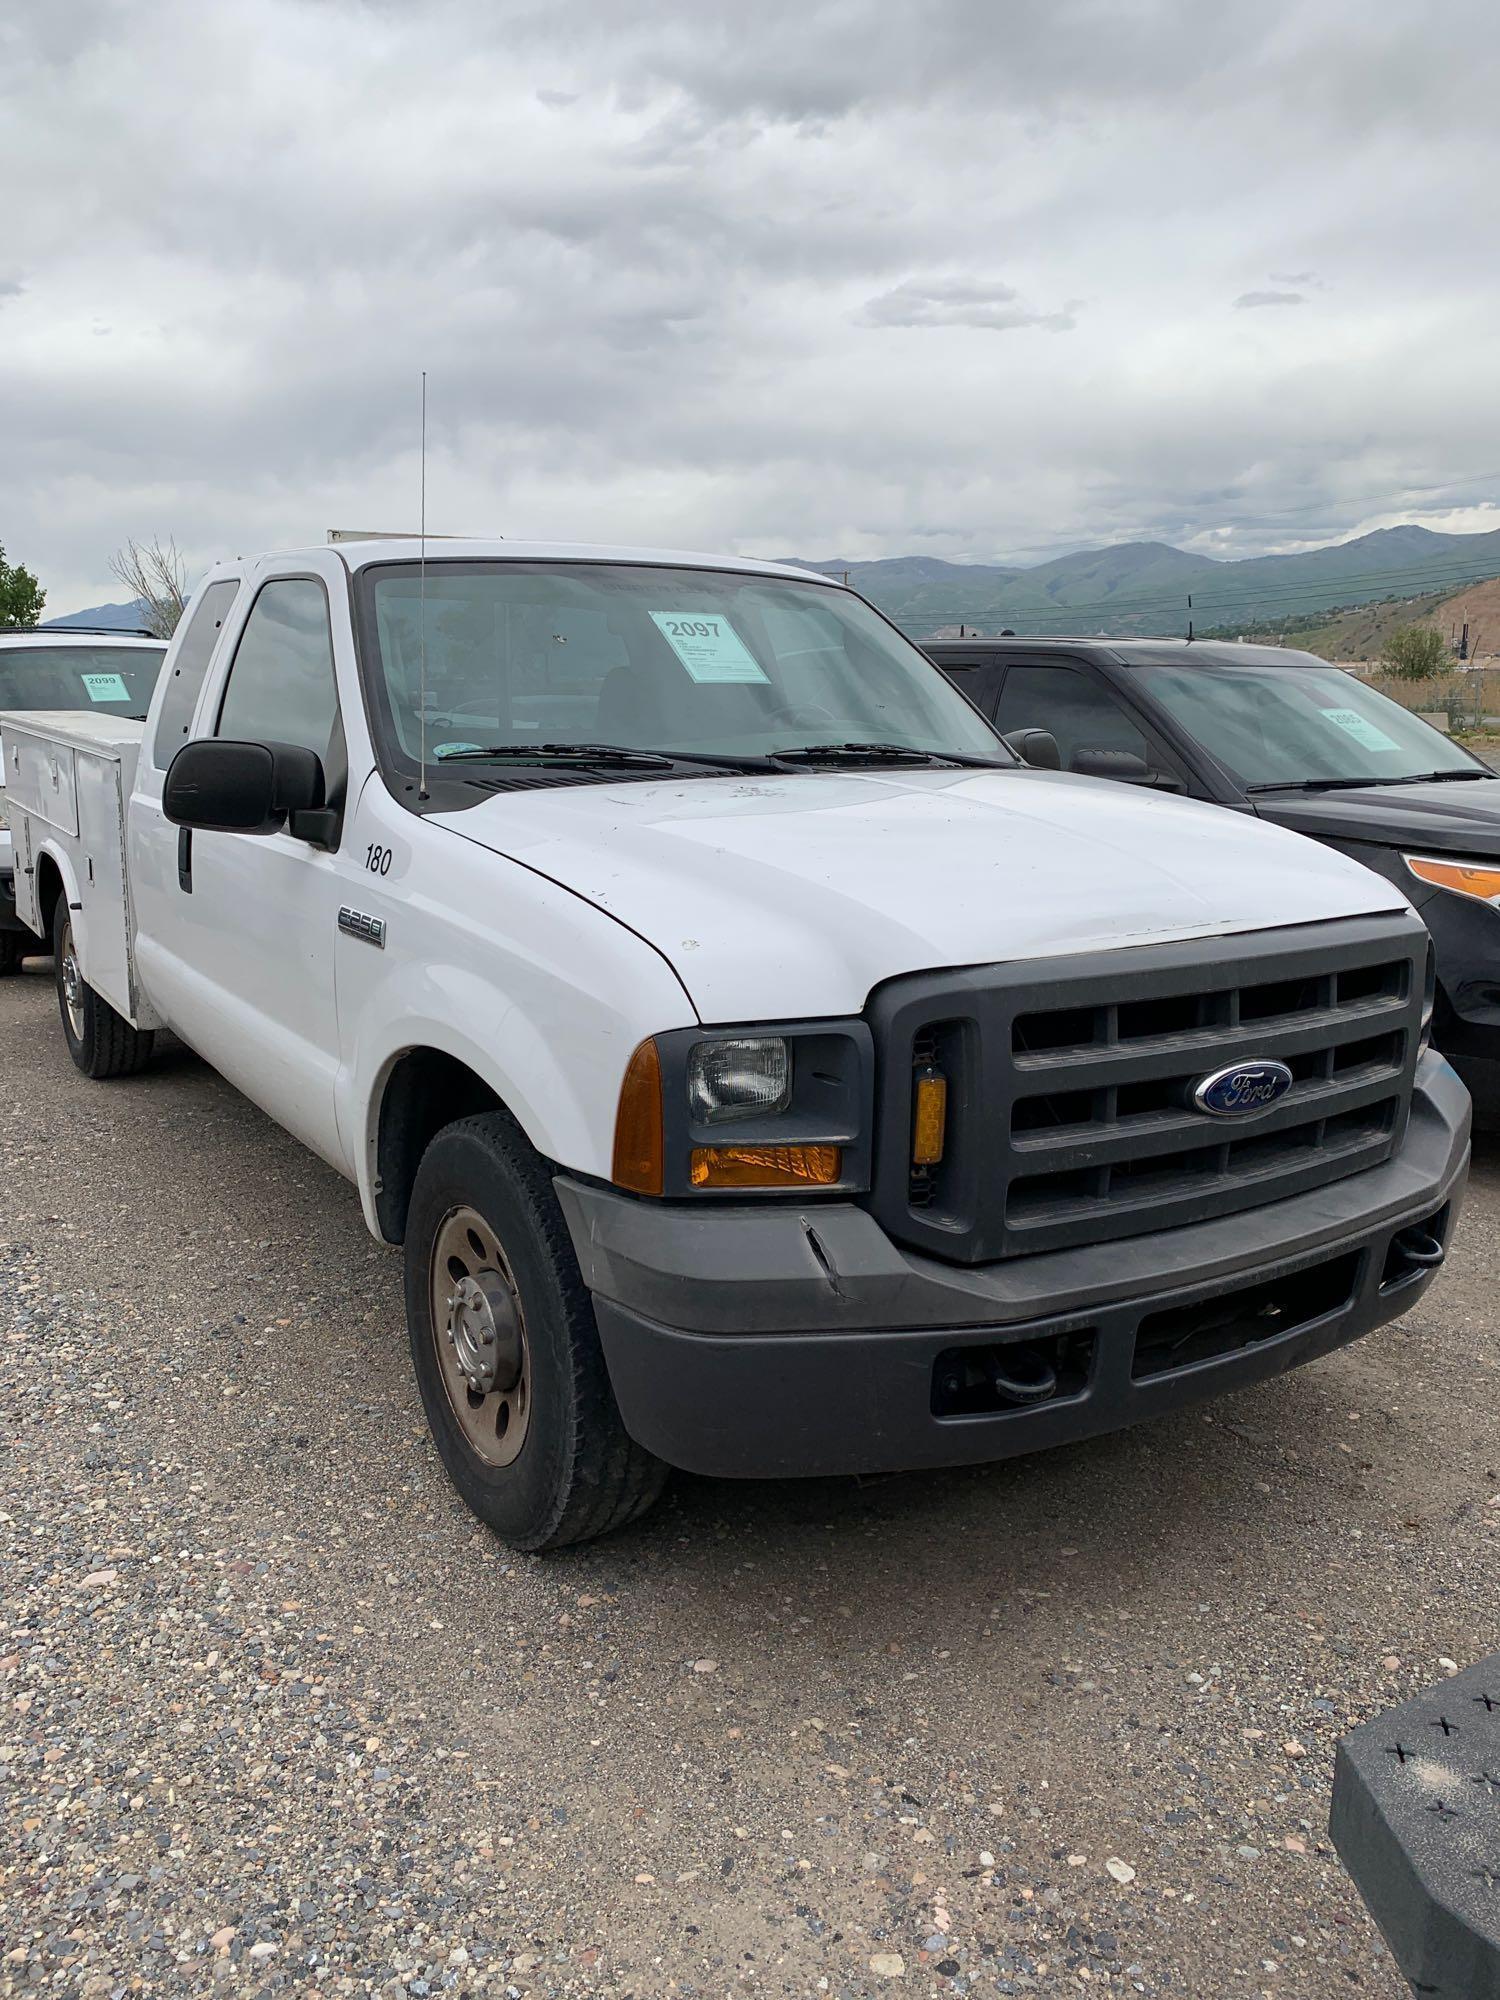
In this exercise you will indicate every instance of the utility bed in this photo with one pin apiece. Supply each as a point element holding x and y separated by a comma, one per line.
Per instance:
<point>68,779</point>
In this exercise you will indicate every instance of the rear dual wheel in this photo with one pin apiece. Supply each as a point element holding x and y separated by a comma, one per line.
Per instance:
<point>506,1349</point>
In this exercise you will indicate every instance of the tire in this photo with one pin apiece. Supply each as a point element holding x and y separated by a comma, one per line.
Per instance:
<point>15,948</point>
<point>539,1453</point>
<point>100,1041</point>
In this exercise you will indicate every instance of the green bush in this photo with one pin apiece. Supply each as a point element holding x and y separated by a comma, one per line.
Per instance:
<point>1416,653</point>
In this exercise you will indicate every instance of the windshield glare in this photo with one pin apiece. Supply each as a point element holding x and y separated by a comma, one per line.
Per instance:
<point>116,680</point>
<point>651,659</point>
<point>1285,725</point>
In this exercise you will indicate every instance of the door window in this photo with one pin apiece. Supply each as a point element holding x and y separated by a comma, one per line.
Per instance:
<point>281,685</point>
<point>194,650</point>
<point>1075,708</point>
<point>977,678</point>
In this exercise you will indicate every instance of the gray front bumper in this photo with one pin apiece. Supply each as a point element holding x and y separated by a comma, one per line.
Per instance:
<point>752,1268</point>
<point>758,1341</point>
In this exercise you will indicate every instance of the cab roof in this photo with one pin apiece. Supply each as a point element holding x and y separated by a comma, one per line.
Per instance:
<point>79,635</point>
<point>439,549</point>
<point>1143,652</point>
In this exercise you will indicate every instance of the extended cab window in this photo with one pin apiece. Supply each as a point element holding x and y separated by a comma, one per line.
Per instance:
<point>1078,710</point>
<point>194,650</point>
<point>281,685</point>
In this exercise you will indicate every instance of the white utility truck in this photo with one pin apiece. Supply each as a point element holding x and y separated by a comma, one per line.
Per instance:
<point>764,1071</point>
<point>109,674</point>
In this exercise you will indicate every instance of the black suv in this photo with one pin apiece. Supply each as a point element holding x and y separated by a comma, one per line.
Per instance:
<point>1266,730</point>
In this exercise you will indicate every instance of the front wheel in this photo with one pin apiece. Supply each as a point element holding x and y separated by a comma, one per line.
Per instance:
<point>100,1041</point>
<point>506,1350</point>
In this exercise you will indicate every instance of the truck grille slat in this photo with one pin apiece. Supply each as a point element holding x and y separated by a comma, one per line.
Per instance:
<point>1071,1112</point>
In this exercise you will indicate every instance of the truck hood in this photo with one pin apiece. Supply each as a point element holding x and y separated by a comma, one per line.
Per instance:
<point>1446,818</point>
<point>779,898</point>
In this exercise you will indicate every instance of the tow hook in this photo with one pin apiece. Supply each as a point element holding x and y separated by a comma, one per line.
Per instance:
<point>1022,1375</point>
<point>1419,1246</point>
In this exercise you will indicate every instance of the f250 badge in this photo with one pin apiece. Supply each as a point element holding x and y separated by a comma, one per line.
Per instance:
<point>1242,1088</point>
<point>354,923</point>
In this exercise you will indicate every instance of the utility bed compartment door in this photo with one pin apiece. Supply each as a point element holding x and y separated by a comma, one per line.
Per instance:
<point>41,778</point>
<point>102,934</point>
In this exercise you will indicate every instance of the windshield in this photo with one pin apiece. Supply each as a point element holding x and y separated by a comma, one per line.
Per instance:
<point>1289,725</point>
<point>117,680</point>
<point>652,659</point>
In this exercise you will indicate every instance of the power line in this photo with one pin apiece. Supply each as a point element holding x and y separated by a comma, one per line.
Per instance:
<point>1388,583</point>
<point>1332,594</point>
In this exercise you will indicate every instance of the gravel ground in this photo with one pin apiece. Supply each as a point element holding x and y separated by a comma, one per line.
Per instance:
<point>276,1716</point>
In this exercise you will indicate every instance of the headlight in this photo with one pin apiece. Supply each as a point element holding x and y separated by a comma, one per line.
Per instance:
<point>798,1105</point>
<point>1479,879</point>
<point>742,1079</point>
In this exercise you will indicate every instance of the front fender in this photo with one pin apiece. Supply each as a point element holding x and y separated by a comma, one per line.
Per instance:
<point>554,1055</point>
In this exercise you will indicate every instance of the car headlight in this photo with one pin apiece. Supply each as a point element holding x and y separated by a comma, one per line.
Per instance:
<point>738,1079</point>
<point>797,1103</point>
<point>1479,879</point>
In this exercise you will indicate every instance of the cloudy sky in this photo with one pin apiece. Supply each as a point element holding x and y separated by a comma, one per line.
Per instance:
<point>974,278</point>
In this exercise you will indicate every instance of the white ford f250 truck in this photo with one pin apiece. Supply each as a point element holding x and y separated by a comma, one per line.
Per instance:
<point>764,1072</point>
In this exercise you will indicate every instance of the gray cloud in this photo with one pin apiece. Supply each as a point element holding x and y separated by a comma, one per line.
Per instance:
<point>961,302</point>
<point>1248,300</point>
<point>657,268</point>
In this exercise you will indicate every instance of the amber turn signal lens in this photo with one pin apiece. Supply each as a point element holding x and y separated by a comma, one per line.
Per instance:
<point>1468,878</point>
<point>640,1150</point>
<point>765,1166</point>
<point>929,1123</point>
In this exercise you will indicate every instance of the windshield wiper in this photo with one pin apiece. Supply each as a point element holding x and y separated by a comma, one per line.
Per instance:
<point>601,753</point>
<point>884,753</point>
<point>552,753</point>
<point>1361,784</point>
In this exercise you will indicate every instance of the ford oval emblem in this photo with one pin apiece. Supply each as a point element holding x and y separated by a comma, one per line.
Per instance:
<point>1242,1088</point>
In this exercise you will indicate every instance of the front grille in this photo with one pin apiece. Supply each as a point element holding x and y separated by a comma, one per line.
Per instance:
<point>1070,1090</point>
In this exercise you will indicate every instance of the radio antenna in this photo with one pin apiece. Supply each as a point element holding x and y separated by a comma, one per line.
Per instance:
<point>422,607</point>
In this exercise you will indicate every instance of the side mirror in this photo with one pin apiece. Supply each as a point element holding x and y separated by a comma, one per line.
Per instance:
<point>224,787</point>
<point>1036,747</point>
<point>1122,765</point>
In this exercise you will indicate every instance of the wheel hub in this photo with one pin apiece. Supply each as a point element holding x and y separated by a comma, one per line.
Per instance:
<point>72,982</point>
<point>479,1334</point>
<point>485,1333</point>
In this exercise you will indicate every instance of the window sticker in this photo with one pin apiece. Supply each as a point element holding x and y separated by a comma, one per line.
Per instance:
<point>1365,734</point>
<point>708,646</point>
<point>105,687</point>
<point>453,749</point>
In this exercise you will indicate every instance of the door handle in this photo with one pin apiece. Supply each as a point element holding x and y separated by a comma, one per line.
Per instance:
<point>185,859</point>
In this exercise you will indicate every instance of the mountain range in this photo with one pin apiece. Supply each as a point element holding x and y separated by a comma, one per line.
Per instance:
<point>1132,588</point>
<point>109,617</point>
<point>1144,587</point>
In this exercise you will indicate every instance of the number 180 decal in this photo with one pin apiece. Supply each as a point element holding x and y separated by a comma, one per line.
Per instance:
<point>378,860</point>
